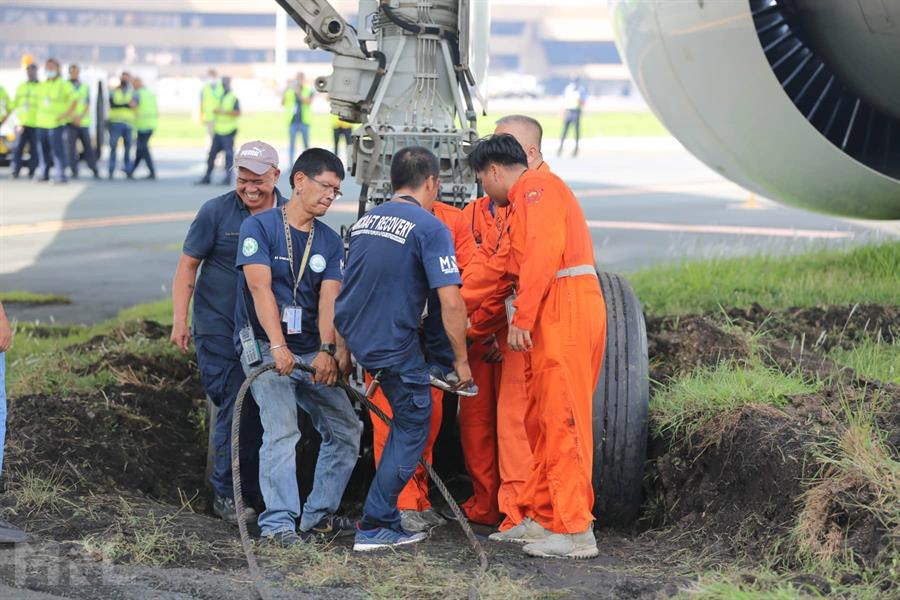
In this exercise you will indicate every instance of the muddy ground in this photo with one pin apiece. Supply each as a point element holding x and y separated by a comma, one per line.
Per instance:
<point>130,516</point>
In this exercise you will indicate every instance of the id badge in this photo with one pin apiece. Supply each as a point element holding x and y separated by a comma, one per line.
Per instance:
<point>510,309</point>
<point>292,316</point>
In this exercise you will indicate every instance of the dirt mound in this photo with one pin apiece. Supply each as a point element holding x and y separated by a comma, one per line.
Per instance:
<point>824,327</point>
<point>679,345</point>
<point>738,478</point>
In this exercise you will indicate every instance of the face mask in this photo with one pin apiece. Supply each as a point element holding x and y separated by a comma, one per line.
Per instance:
<point>52,74</point>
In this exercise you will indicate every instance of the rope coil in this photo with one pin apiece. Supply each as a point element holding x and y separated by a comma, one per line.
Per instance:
<point>259,582</point>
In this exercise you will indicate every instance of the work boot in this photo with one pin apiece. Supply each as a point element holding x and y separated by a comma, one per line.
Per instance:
<point>226,510</point>
<point>412,520</point>
<point>432,517</point>
<point>10,534</point>
<point>525,532</point>
<point>282,539</point>
<point>565,545</point>
<point>330,527</point>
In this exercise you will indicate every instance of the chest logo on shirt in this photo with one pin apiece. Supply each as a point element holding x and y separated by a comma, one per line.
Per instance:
<point>317,263</point>
<point>250,247</point>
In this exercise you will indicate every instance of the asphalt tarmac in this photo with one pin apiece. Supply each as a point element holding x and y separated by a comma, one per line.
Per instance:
<point>108,245</point>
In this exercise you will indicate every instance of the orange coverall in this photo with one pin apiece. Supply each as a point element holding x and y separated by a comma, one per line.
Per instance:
<point>566,316</point>
<point>415,495</point>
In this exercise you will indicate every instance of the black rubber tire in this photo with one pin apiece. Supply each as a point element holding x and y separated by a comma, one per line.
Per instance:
<point>621,401</point>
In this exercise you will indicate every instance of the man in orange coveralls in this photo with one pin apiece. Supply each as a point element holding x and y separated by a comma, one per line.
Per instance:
<point>492,426</point>
<point>416,512</point>
<point>559,318</point>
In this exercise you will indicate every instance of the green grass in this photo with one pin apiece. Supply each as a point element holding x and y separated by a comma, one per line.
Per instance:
<point>861,274</point>
<point>22,297</point>
<point>181,130</point>
<point>687,403</point>
<point>764,584</point>
<point>873,358</point>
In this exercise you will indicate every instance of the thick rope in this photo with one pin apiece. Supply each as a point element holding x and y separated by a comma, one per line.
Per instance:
<point>255,570</point>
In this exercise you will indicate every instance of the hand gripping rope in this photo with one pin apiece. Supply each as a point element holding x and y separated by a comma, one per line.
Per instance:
<point>255,571</point>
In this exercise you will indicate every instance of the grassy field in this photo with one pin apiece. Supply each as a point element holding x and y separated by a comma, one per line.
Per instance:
<point>182,131</point>
<point>22,297</point>
<point>861,274</point>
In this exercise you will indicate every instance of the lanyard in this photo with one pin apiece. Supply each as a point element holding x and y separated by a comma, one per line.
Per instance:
<point>410,199</point>
<point>290,250</point>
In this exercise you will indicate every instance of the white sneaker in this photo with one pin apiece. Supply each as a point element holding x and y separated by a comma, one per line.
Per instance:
<point>524,533</point>
<point>565,545</point>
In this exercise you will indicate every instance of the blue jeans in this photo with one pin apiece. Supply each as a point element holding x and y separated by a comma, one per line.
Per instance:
<point>408,392</point>
<point>332,415</point>
<point>2,407</point>
<point>53,145</point>
<point>293,130</point>
<point>29,135</point>
<point>221,143</point>
<point>116,131</point>
<point>222,376</point>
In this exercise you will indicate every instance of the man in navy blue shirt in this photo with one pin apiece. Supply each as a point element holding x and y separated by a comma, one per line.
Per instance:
<point>212,241</point>
<point>399,252</point>
<point>292,264</point>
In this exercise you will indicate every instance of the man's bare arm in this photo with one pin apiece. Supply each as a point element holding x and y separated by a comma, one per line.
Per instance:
<point>182,290</point>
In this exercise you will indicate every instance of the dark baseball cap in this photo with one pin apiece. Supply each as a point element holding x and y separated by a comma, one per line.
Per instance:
<point>257,156</point>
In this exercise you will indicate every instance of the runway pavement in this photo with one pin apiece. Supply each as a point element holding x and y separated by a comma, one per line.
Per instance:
<point>108,245</point>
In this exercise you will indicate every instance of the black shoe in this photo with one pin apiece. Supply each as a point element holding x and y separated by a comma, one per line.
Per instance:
<point>96,174</point>
<point>129,174</point>
<point>226,181</point>
<point>74,174</point>
<point>45,178</point>
<point>330,527</point>
<point>151,176</point>
<point>226,510</point>
<point>10,534</point>
<point>112,175</point>
<point>283,539</point>
<point>204,181</point>
<point>15,175</point>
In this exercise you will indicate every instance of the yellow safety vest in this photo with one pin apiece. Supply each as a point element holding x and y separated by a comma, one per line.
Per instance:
<point>209,100</point>
<point>225,124</point>
<point>123,114</point>
<point>83,104</point>
<point>26,102</point>
<point>147,115</point>
<point>290,104</point>
<point>54,98</point>
<point>5,104</point>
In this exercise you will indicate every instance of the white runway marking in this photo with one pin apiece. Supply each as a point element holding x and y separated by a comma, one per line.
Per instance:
<point>720,229</point>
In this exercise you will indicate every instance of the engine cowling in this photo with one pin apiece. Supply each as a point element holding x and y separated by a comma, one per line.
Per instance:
<point>752,88</point>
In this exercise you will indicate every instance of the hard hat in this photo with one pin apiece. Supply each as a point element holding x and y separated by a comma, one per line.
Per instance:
<point>27,59</point>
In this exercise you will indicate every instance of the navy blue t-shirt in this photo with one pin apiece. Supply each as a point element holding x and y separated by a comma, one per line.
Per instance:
<point>213,239</point>
<point>262,242</point>
<point>398,253</point>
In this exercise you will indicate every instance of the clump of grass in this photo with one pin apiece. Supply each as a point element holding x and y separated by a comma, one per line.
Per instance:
<point>35,492</point>
<point>22,297</point>
<point>873,358</point>
<point>766,584</point>
<point>859,474</point>
<point>862,274</point>
<point>143,539</point>
<point>390,575</point>
<point>687,403</point>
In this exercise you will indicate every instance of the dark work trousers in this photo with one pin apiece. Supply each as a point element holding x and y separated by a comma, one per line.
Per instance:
<point>29,136</point>
<point>438,350</point>
<point>53,152</point>
<point>344,133</point>
<point>221,143</point>
<point>143,151</point>
<point>222,375</point>
<point>572,118</point>
<point>76,133</point>
<point>408,391</point>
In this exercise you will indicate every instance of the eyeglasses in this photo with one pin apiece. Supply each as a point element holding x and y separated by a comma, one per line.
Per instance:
<point>335,190</point>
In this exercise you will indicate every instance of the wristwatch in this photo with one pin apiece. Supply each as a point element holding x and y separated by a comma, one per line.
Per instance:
<point>328,349</point>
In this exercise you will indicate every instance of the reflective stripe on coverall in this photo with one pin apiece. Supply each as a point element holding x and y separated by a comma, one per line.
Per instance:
<point>567,320</point>
<point>415,495</point>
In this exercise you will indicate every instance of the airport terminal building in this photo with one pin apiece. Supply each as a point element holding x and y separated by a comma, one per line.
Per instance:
<point>551,41</point>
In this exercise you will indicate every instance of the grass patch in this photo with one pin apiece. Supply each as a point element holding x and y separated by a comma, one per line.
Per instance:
<point>22,297</point>
<point>687,403</point>
<point>859,275</point>
<point>766,584</point>
<point>873,358</point>
<point>33,492</point>
<point>391,575</point>
<point>179,129</point>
